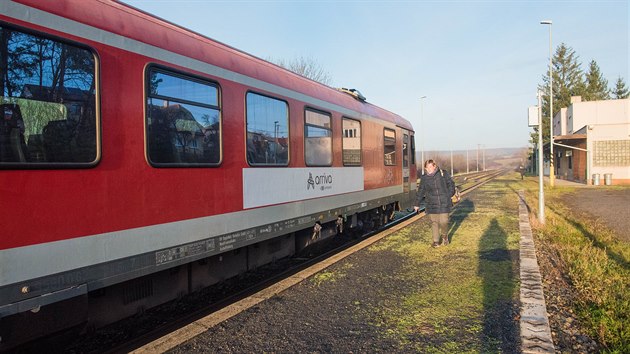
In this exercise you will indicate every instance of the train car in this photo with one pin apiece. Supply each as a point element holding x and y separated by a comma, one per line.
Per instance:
<point>140,161</point>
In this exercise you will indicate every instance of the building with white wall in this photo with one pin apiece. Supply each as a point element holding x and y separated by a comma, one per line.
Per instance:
<point>593,138</point>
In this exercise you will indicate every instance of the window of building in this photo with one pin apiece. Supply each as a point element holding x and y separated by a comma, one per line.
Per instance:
<point>351,142</point>
<point>183,120</point>
<point>47,102</point>
<point>317,138</point>
<point>390,147</point>
<point>267,130</point>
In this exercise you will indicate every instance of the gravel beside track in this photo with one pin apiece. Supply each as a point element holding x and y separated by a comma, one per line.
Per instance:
<point>310,318</point>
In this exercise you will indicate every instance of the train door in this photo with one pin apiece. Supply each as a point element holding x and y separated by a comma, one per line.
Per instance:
<point>409,169</point>
<point>407,155</point>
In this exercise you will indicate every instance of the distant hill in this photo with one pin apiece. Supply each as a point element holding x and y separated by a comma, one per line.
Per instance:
<point>494,158</point>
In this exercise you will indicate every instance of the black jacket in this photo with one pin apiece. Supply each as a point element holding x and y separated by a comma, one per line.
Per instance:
<point>437,190</point>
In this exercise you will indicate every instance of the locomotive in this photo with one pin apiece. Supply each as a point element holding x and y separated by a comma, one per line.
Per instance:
<point>140,161</point>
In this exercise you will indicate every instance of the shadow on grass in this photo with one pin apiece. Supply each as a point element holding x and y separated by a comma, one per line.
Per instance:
<point>498,268</point>
<point>459,214</point>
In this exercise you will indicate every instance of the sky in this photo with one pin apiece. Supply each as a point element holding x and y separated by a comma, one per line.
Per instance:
<point>478,63</point>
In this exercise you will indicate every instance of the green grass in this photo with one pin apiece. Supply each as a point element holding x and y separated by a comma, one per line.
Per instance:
<point>597,263</point>
<point>330,276</point>
<point>463,290</point>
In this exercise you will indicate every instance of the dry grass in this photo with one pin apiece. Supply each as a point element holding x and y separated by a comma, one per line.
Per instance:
<point>598,265</point>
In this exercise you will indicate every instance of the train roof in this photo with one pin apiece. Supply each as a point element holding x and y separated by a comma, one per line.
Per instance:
<point>127,21</point>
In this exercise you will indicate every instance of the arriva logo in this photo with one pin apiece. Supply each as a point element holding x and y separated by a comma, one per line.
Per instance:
<point>323,181</point>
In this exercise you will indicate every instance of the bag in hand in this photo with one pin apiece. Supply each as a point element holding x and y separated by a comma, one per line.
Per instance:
<point>456,197</point>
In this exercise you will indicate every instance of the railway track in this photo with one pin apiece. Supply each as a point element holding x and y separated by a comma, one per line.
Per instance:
<point>165,326</point>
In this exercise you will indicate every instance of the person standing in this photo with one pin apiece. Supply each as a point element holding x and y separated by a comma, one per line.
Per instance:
<point>436,188</point>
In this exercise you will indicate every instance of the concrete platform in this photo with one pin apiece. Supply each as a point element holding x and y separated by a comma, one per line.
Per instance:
<point>565,183</point>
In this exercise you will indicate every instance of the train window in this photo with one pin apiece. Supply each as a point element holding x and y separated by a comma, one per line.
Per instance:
<point>267,131</point>
<point>317,138</point>
<point>351,142</point>
<point>47,102</point>
<point>390,147</point>
<point>183,120</point>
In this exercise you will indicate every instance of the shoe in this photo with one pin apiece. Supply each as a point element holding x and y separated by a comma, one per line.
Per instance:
<point>435,245</point>
<point>445,241</point>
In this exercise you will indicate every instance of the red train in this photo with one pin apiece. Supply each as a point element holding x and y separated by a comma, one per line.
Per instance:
<point>140,161</point>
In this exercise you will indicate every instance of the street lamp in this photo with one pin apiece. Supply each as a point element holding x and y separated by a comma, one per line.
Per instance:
<point>541,190</point>
<point>551,171</point>
<point>422,132</point>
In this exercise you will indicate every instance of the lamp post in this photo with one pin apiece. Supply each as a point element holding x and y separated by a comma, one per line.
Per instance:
<point>450,142</point>
<point>551,171</point>
<point>478,157</point>
<point>422,131</point>
<point>541,192</point>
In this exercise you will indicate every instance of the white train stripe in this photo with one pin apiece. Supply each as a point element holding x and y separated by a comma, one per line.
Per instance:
<point>268,186</point>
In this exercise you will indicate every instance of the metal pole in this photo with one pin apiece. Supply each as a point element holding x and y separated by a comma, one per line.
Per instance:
<point>588,157</point>
<point>451,160</point>
<point>552,172</point>
<point>467,161</point>
<point>483,156</point>
<point>450,142</point>
<point>477,157</point>
<point>541,192</point>
<point>422,131</point>
<point>552,176</point>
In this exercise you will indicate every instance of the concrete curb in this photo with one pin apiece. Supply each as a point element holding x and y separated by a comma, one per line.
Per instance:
<point>534,323</point>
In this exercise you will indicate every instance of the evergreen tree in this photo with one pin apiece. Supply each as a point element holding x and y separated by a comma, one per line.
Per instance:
<point>568,80</point>
<point>596,85</point>
<point>620,91</point>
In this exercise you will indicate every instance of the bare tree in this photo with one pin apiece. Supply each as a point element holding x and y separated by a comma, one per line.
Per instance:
<point>307,67</point>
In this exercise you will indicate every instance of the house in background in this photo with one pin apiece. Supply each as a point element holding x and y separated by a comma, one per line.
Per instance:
<point>592,141</point>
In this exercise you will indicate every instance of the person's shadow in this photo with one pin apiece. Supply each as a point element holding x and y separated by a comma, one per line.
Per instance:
<point>459,214</point>
<point>498,266</point>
